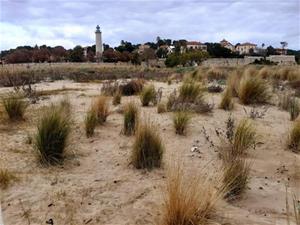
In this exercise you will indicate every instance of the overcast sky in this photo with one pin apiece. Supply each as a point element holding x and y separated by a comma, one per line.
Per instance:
<point>69,23</point>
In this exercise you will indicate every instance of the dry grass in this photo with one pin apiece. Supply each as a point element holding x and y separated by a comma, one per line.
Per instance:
<point>190,92</point>
<point>148,149</point>
<point>293,142</point>
<point>296,204</point>
<point>161,107</point>
<point>233,82</point>
<point>180,121</point>
<point>101,107</point>
<point>131,118</point>
<point>90,122</point>
<point>15,106</point>
<point>133,87</point>
<point>6,178</point>
<point>227,101</point>
<point>148,95</point>
<point>117,98</point>
<point>236,177</point>
<point>253,89</point>
<point>52,134</point>
<point>189,200</point>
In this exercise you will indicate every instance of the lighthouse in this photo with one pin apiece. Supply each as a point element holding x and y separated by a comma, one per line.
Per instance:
<point>99,46</point>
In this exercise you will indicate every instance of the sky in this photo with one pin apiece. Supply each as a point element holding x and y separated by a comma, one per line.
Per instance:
<point>70,23</point>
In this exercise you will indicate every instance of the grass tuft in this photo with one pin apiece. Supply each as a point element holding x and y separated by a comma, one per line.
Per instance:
<point>148,149</point>
<point>253,89</point>
<point>189,200</point>
<point>90,122</point>
<point>190,91</point>
<point>15,106</point>
<point>227,101</point>
<point>236,177</point>
<point>117,98</point>
<point>148,95</point>
<point>161,107</point>
<point>131,118</point>
<point>101,107</point>
<point>180,121</point>
<point>52,133</point>
<point>293,142</point>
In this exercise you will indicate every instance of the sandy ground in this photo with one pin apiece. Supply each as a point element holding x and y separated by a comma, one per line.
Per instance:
<point>97,184</point>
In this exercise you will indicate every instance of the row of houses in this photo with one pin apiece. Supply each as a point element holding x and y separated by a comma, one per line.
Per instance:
<point>246,48</point>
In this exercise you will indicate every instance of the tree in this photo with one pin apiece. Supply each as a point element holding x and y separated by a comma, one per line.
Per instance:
<point>135,58</point>
<point>271,51</point>
<point>218,51</point>
<point>41,55</point>
<point>110,55</point>
<point>76,55</point>
<point>58,54</point>
<point>148,54</point>
<point>20,55</point>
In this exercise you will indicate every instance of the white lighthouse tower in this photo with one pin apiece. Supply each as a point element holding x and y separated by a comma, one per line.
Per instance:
<point>99,46</point>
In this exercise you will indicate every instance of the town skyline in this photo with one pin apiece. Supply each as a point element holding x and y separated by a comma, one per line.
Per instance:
<point>268,22</point>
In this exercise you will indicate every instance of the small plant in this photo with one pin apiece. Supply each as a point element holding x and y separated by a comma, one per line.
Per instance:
<point>15,106</point>
<point>190,92</point>
<point>256,113</point>
<point>189,200</point>
<point>161,107</point>
<point>236,177</point>
<point>6,178</point>
<point>101,107</point>
<point>52,134</point>
<point>294,108</point>
<point>131,118</point>
<point>244,138</point>
<point>253,89</point>
<point>227,101</point>
<point>180,121</point>
<point>214,88</point>
<point>90,122</point>
<point>148,148</point>
<point>148,95</point>
<point>117,98</point>
<point>133,87</point>
<point>293,142</point>
<point>109,88</point>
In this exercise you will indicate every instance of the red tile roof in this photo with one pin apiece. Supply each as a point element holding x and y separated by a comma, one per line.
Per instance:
<point>194,43</point>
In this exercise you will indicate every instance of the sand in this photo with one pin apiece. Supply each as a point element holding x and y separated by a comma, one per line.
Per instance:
<point>98,185</point>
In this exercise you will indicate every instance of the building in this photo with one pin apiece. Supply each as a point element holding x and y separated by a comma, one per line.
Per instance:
<point>142,48</point>
<point>227,44</point>
<point>281,51</point>
<point>245,48</point>
<point>99,45</point>
<point>195,45</point>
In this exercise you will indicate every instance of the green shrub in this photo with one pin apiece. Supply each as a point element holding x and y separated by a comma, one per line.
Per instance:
<point>180,122</point>
<point>15,106</point>
<point>148,148</point>
<point>52,133</point>
<point>253,89</point>
<point>90,122</point>
<point>131,118</point>
<point>148,95</point>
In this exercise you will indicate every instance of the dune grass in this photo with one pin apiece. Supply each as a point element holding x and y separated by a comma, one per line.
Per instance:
<point>15,106</point>
<point>190,91</point>
<point>148,148</point>
<point>293,142</point>
<point>51,138</point>
<point>161,107</point>
<point>90,122</point>
<point>101,107</point>
<point>244,137</point>
<point>117,98</point>
<point>227,101</point>
<point>189,200</point>
<point>131,118</point>
<point>180,121</point>
<point>236,177</point>
<point>253,89</point>
<point>148,95</point>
